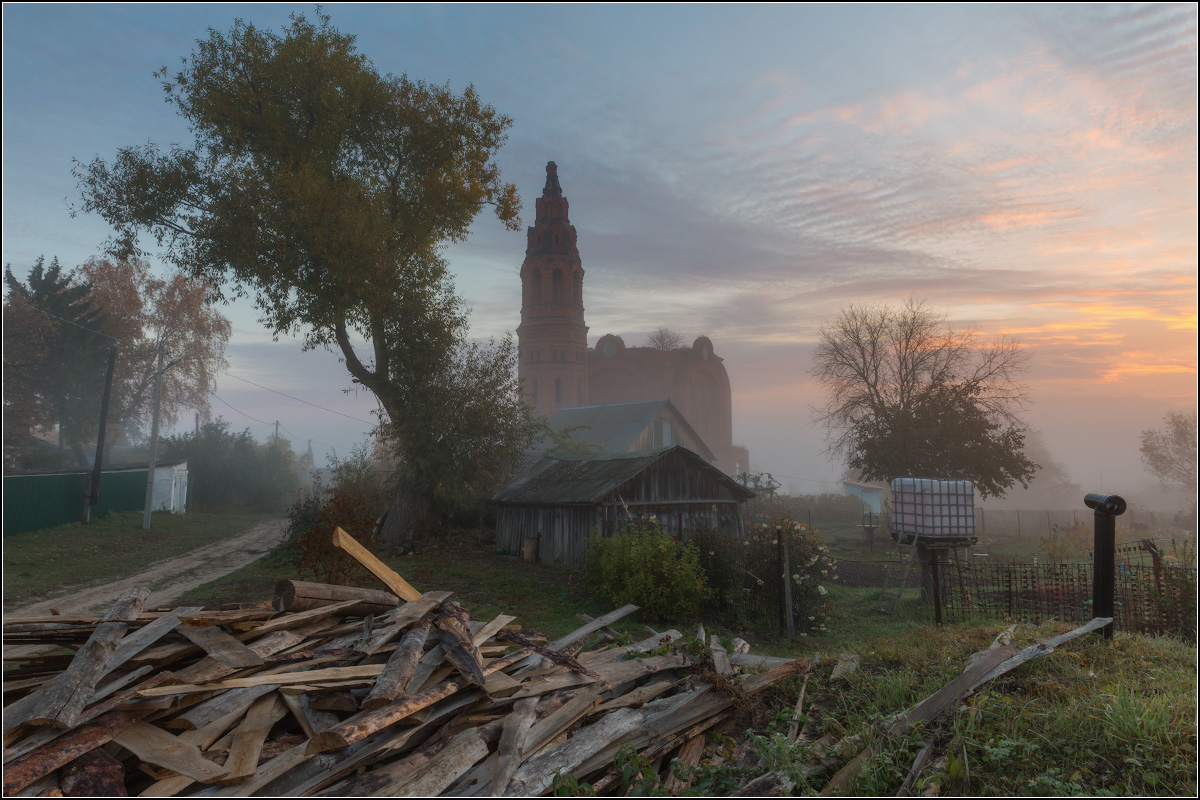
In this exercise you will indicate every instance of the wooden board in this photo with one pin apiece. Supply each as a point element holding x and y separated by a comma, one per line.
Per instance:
<point>221,646</point>
<point>400,587</point>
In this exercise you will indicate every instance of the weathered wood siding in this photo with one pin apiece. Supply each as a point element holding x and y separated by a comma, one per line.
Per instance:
<point>562,531</point>
<point>673,491</point>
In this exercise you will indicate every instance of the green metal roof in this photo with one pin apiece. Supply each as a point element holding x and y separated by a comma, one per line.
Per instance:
<point>584,478</point>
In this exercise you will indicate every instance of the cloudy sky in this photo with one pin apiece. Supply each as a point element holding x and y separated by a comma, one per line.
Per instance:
<point>743,173</point>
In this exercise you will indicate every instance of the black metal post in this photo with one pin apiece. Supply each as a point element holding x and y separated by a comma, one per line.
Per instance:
<point>934,557</point>
<point>1107,508</point>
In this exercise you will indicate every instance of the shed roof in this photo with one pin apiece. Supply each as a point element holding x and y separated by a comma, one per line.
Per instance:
<point>567,478</point>
<point>614,427</point>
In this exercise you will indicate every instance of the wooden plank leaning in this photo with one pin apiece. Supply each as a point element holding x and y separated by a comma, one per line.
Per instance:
<point>400,587</point>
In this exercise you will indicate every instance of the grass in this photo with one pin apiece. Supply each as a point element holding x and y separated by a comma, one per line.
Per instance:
<point>52,561</point>
<point>1094,717</point>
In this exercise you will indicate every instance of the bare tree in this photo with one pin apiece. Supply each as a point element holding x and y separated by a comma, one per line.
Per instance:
<point>665,339</point>
<point>879,361</point>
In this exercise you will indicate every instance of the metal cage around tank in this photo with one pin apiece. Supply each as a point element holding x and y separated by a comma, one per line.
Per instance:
<point>933,511</point>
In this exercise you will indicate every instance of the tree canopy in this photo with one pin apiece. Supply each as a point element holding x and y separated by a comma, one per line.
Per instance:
<point>55,354</point>
<point>1170,452</point>
<point>58,328</point>
<point>326,191</point>
<point>909,395</point>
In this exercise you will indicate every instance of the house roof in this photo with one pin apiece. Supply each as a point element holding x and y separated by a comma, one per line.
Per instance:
<point>875,487</point>
<point>615,426</point>
<point>567,478</point>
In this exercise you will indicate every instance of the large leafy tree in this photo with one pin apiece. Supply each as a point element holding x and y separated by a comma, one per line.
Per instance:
<point>908,394</point>
<point>943,432</point>
<point>326,191</point>
<point>55,352</point>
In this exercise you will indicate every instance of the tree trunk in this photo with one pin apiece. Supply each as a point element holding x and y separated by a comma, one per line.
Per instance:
<point>407,515</point>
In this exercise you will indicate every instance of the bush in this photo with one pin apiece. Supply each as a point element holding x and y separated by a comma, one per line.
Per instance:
<point>310,533</point>
<point>644,566</point>
<point>744,574</point>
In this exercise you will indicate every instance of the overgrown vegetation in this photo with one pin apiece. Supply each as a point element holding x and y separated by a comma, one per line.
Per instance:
<point>643,565</point>
<point>231,470</point>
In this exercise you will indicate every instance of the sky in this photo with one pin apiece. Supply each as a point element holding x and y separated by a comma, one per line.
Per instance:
<point>743,173</point>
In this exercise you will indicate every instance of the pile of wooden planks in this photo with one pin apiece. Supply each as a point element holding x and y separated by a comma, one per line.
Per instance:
<point>338,691</point>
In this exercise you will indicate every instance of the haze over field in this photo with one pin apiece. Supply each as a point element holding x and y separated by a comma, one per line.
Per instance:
<point>742,174</point>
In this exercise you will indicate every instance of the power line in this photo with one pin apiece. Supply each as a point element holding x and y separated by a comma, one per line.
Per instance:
<point>243,413</point>
<point>63,319</point>
<point>297,399</point>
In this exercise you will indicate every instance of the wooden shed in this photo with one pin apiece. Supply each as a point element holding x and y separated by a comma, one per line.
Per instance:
<point>567,496</point>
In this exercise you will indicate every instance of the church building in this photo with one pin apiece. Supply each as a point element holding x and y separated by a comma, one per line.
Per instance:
<point>560,371</point>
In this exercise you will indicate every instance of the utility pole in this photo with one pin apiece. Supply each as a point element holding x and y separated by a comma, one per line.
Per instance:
<point>154,435</point>
<point>94,494</point>
<point>276,432</point>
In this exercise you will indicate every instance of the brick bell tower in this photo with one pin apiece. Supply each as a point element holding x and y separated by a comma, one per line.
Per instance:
<point>552,337</point>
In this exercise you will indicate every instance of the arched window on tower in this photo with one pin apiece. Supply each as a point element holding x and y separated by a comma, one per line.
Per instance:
<point>533,391</point>
<point>557,286</point>
<point>558,391</point>
<point>535,286</point>
<point>578,288</point>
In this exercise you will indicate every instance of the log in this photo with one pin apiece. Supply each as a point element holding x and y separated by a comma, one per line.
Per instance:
<point>294,596</point>
<point>406,615</point>
<point>463,752</point>
<point>60,700</point>
<point>454,633</point>
<point>689,757</point>
<point>398,671</point>
<point>94,774</point>
<point>536,775</point>
<point>512,742</point>
<point>65,749</point>
<point>364,724</point>
<point>391,579</point>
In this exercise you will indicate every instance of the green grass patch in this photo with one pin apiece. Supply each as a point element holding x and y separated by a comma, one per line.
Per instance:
<point>53,561</point>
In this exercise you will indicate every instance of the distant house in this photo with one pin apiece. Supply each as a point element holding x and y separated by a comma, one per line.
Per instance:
<point>627,427</point>
<point>568,495</point>
<point>869,493</point>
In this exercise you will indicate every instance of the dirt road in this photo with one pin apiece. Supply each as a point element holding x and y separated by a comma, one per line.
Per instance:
<point>170,577</point>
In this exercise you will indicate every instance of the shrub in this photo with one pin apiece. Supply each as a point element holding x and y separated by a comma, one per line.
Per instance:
<point>744,575</point>
<point>311,536</point>
<point>644,566</point>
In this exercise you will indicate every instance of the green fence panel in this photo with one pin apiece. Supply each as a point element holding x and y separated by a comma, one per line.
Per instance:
<point>32,502</point>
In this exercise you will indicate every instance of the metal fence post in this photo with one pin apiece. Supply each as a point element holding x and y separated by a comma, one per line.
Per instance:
<point>1107,508</point>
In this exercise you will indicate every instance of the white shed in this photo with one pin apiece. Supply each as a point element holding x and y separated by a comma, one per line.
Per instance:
<point>170,487</point>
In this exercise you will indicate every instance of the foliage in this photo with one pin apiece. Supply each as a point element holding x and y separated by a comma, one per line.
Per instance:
<point>1175,591</point>
<point>743,574</point>
<point>643,565</point>
<point>310,537</point>
<point>232,470</point>
<point>943,432</point>
<point>907,394</point>
<point>55,357</point>
<point>665,339</point>
<point>1067,541</point>
<point>148,312</point>
<point>363,474</point>
<point>464,428</point>
<point>1170,452</point>
<point>326,191</point>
